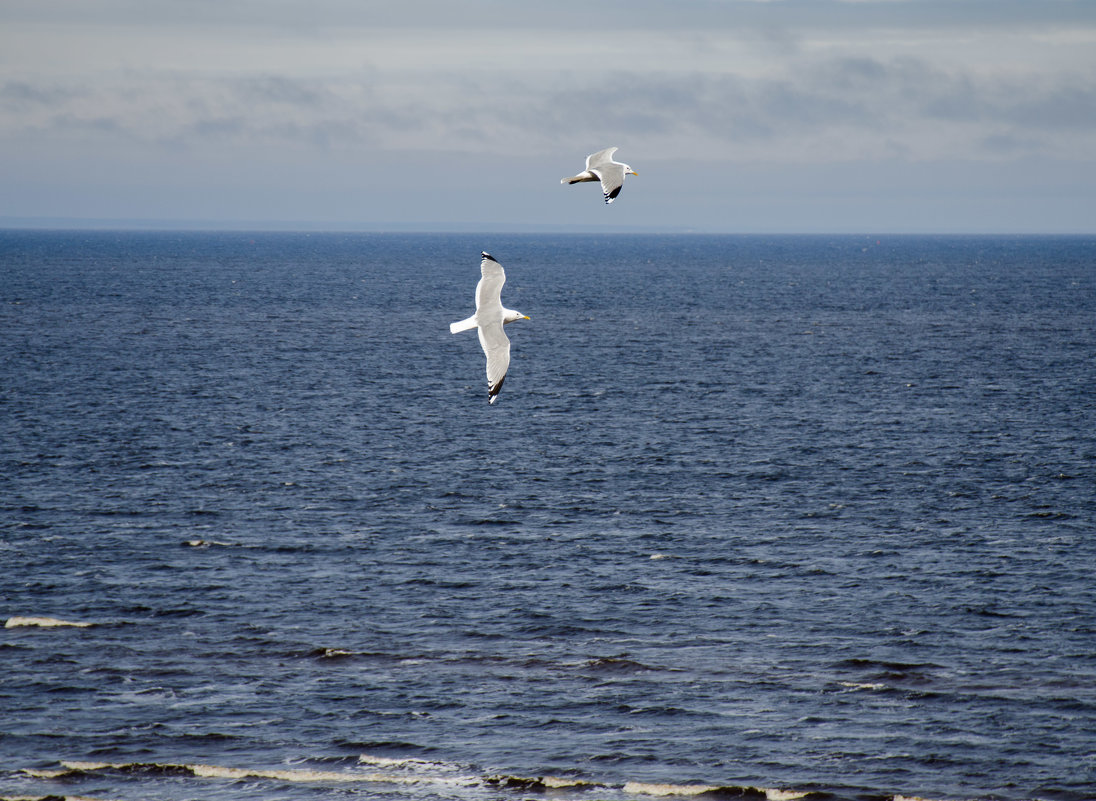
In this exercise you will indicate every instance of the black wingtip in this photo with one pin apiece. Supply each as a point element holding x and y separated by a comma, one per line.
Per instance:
<point>487,255</point>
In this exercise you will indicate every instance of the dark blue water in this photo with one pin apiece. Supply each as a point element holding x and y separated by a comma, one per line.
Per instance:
<point>771,515</point>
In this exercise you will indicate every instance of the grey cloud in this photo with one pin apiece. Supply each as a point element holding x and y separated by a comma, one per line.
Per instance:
<point>284,90</point>
<point>872,96</point>
<point>99,124</point>
<point>1071,106</point>
<point>217,127</point>
<point>858,103</point>
<point>26,94</point>
<point>1010,144</point>
<point>774,19</point>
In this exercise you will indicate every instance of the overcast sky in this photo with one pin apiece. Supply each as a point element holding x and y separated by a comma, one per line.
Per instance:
<point>873,116</point>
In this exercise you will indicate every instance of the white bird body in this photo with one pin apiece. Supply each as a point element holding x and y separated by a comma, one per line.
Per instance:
<point>601,167</point>
<point>489,319</point>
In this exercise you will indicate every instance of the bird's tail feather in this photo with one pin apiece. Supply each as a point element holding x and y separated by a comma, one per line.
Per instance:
<point>463,325</point>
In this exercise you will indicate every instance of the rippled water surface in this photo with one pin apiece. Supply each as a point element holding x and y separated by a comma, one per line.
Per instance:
<point>774,515</point>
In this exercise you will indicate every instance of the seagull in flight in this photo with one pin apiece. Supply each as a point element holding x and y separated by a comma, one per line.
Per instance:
<point>601,167</point>
<point>489,319</point>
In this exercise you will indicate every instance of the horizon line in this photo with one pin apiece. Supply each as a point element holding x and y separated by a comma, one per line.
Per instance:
<point>43,223</point>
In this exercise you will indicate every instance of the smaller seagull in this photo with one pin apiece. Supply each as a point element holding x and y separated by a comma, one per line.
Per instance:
<point>601,167</point>
<point>489,319</point>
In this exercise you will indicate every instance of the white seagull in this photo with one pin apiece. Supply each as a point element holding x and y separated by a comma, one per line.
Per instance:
<point>489,319</point>
<point>601,167</point>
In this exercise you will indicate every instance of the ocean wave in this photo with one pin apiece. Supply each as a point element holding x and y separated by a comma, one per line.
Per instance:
<point>603,666</point>
<point>540,784</point>
<point>412,771</point>
<point>44,622</point>
<point>868,686</point>
<point>301,775</point>
<point>413,763</point>
<point>371,747</point>
<point>712,791</point>
<point>203,771</point>
<point>333,653</point>
<point>616,665</point>
<point>50,797</point>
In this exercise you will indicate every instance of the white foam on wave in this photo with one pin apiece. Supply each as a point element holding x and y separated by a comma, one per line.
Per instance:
<point>405,762</point>
<point>437,774</point>
<point>47,774</point>
<point>664,790</point>
<point>558,783</point>
<point>301,775</point>
<point>642,788</point>
<point>385,762</point>
<point>867,686</point>
<point>36,773</point>
<point>540,783</point>
<point>75,765</point>
<point>775,794</point>
<point>293,775</point>
<point>44,622</point>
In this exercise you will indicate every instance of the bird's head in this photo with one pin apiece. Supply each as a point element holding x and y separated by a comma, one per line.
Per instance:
<point>512,316</point>
<point>629,171</point>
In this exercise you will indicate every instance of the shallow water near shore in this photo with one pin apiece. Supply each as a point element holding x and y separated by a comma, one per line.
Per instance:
<point>752,517</point>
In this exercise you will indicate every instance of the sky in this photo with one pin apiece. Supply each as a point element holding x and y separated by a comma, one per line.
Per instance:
<point>739,116</point>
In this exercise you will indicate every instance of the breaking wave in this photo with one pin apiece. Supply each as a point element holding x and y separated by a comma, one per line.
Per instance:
<point>44,622</point>
<point>431,775</point>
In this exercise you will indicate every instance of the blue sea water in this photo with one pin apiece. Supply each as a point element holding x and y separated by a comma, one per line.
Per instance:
<point>759,517</point>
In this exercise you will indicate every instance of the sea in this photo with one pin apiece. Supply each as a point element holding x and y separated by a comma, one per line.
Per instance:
<point>754,517</point>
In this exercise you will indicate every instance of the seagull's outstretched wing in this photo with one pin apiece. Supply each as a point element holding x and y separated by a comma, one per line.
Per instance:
<point>489,288</point>
<point>595,160</point>
<point>496,345</point>
<point>612,179</point>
